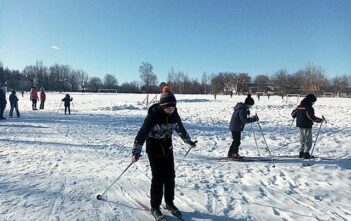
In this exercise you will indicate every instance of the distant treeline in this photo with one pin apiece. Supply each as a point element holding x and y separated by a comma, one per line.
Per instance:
<point>310,79</point>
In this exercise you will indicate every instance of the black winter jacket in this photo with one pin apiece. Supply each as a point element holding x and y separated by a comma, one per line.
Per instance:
<point>239,117</point>
<point>157,130</point>
<point>67,101</point>
<point>13,99</point>
<point>3,101</point>
<point>304,115</point>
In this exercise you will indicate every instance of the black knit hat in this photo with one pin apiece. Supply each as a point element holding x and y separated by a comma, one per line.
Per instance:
<point>249,100</point>
<point>311,98</point>
<point>167,98</point>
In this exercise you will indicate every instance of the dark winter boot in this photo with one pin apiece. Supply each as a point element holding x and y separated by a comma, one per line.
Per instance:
<point>156,212</point>
<point>237,157</point>
<point>301,154</point>
<point>173,209</point>
<point>307,156</point>
<point>230,154</point>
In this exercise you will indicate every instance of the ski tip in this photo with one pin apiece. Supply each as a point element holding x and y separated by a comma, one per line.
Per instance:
<point>98,197</point>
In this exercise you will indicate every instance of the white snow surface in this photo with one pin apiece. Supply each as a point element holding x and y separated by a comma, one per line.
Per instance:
<point>52,166</point>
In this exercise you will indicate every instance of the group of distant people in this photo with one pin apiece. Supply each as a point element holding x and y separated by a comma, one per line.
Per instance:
<point>34,99</point>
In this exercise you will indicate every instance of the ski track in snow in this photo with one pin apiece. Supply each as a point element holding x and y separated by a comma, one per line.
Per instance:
<point>52,166</point>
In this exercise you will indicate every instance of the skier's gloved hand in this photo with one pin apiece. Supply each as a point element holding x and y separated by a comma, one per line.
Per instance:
<point>248,112</point>
<point>256,117</point>
<point>136,152</point>
<point>193,143</point>
<point>135,158</point>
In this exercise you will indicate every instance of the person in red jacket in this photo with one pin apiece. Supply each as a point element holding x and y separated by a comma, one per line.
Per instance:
<point>34,98</point>
<point>42,98</point>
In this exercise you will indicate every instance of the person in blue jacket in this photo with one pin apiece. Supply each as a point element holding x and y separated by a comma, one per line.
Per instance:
<point>237,124</point>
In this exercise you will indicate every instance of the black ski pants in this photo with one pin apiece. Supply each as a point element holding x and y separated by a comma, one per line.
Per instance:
<point>2,109</point>
<point>42,104</point>
<point>34,104</point>
<point>163,179</point>
<point>14,107</point>
<point>234,148</point>
<point>67,107</point>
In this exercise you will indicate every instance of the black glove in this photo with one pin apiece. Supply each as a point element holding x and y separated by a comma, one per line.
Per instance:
<point>193,143</point>
<point>248,113</point>
<point>136,155</point>
<point>257,119</point>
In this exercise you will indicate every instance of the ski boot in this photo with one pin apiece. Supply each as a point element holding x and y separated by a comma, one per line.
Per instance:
<point>301,154</point>
<point>156,212</point>
<point>308,156</point>
<point>174,210</point>
<point>237,157</point>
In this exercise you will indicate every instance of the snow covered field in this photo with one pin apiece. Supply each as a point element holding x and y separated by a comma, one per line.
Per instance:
<point>52,165</point>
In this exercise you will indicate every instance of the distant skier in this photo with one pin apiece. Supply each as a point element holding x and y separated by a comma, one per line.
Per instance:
<point>14,103</point>
<point>22,92</point>
<point>42,98</point>
<point>305,117</point>
<point>237,124</point>
<point>162,119</point>
<point>3,103</point>
<point>67,102</point>
<point>34,98</point>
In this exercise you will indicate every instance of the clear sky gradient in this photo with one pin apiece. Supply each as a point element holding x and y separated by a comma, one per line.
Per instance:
<point>193,36</point>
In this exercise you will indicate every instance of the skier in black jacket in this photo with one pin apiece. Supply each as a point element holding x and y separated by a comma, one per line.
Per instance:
<point>3,103</point>
<point>305,117</point>
<point>14,103</point>
<point>162,119</point>
<point>67,102</point>
<point>237,124</point>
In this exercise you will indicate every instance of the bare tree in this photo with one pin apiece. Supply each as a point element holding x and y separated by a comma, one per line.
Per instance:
<point>82,79</point>
<point>312,79</point>
<point>261,81</point>
<point>217,84</point>
<point>147,76</point>
<point>132,87</point>
<point>230,82</point>
<point>206,83</point>
<point>94,84</point>
<point>281,81</point>
<point>341,83</point>
<point>243,82</point>
<point>110,82</point>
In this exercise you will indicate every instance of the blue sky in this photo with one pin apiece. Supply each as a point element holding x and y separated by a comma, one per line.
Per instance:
<point>193,36</point>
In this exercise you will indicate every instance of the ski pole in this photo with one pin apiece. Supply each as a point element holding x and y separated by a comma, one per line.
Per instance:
<point>286,135</point>
<point>253,131</point>
<point>191,147</point>
<point>317,137</point>
<point>99,196</point>
<point>267,148</point>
